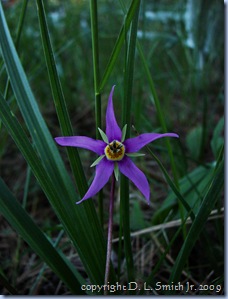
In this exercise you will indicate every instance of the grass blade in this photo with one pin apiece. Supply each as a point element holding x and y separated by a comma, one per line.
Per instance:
<point>198,224</point>
<point>18,36</point>
<point>126,117</point>
<point>82,226</point>
<point>159,111</point>
<point>59,100</point>
<point>172,186</point>
<point>61,109</point>
<point>20,138</point>
<point>4,282</point>
<point>96,73</point>
<point>24,225</point>
<point>120,40</point>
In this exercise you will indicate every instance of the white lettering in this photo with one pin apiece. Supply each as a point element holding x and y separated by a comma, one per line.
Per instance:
<point>130,287</point>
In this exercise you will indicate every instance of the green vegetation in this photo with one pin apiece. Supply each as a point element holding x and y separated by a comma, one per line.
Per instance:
<point>58,62</point>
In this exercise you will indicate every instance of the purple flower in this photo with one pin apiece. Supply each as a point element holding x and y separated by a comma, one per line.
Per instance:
<point>114,153</point>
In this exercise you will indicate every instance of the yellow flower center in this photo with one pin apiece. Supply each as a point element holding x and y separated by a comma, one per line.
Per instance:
<point>114,151</point>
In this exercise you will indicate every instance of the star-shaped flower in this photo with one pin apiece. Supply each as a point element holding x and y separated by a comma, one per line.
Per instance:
<point>114,153</point>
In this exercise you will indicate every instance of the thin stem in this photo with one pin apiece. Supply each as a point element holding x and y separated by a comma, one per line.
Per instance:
<point>118,45</point>
<point>159,112</point>
<point>110,226</point>
<point>95,50</point>
<point>126,119</point>
<point>96,73</point>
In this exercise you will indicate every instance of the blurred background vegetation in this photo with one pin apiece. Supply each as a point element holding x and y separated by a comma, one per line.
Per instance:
<point>183,43</point>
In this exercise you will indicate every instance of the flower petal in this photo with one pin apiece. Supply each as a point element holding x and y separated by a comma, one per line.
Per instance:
<point>96,146</point>
<point>103,172</point>
<point>130,170</point>
<point>135,144</point>
<point>113,131</point>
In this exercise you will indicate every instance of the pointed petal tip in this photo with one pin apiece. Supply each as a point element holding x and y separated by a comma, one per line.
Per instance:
<point>58,140</point>
<point>175,135</point>
<point>113,130</point>
<point>111,93</point>
<point>169,135</point>
<point>134,144</point>
<point>130,170</point>
<point>147,196</point>
<point>80,201</point>
<point>103,172</point>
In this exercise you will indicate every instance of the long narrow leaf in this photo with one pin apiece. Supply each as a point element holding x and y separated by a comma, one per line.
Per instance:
<point>59,100</point>
<point>96,73</point>
<point>25,226</point>
<point>18,36</point>
<point>22,141</point>
<point>172,186</point>
<point>83,229</point>
<point>159,111</point>
<point>126,116</point>
<point>119,43</point>
<point>198,224</point>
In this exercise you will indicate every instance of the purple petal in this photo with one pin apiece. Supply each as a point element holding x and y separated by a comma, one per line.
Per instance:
<point>113,131</point>
<point>103,172</point>
<point>129,169</point>
<point>93,145</point>
<point>133,145</point>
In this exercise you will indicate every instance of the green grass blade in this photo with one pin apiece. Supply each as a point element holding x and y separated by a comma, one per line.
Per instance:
<point>59,101</point>
<point>159,110</point>
<point>18,36</point>
<point>172,186</point>
<point>198,224</point>
<point>24,225</point>
<point>96,73</point>
<point>17,133</point>
<point>82,226</point>
<point>61,109</point>
<point>192,189</point>
<point>42,270</point>
<point>95,44</point>
<point>120,40</point>
<point>4,282</point>
<point>126,118</point>
<point>150,279</point>
<point>21,140</point>
<point>164,128</point>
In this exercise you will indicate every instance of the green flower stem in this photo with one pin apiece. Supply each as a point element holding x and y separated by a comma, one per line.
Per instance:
<point>110,227</point>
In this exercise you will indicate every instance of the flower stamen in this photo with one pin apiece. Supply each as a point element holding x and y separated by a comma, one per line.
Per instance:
<point>115,151</point>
